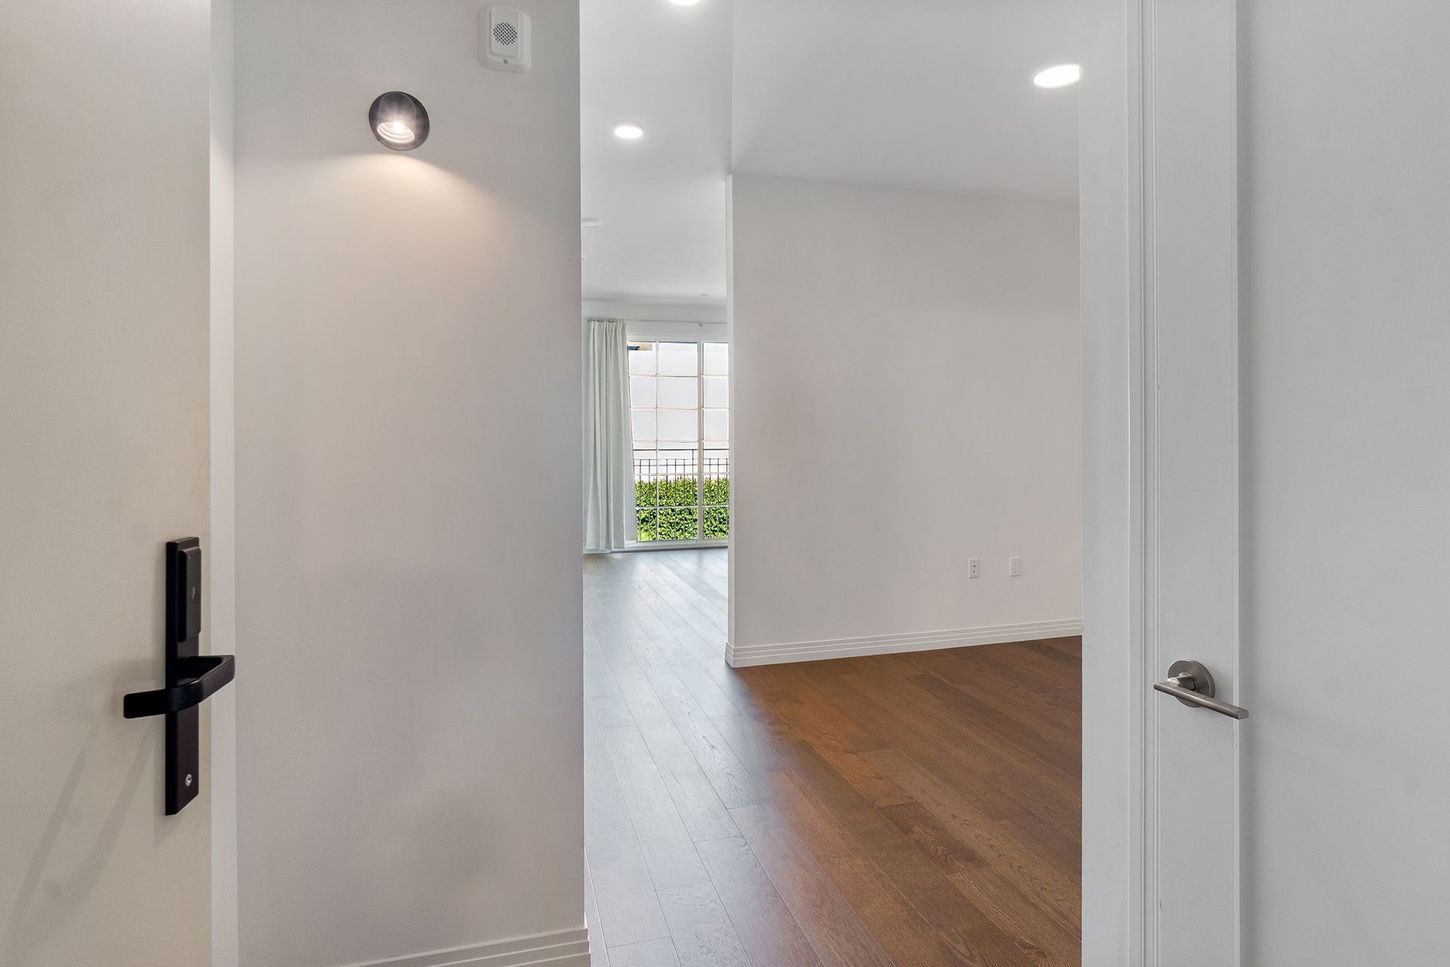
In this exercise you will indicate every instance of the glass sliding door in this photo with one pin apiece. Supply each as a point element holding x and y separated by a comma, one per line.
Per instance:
<point>680,417</point>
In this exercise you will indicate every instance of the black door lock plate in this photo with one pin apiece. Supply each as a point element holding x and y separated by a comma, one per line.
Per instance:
<point>191,678</point>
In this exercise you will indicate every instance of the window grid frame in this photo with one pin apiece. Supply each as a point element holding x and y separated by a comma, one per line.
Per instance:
<point>698,460</point>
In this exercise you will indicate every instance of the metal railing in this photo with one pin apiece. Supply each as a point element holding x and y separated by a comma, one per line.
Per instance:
<point>675,502</point>
<point>651,469</point>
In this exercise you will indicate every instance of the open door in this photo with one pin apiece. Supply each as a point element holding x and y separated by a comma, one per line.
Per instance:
<point>103,459</point>
<point>1265,304</point>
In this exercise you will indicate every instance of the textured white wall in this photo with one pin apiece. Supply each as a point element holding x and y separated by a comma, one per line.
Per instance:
<point>408,492</point>
<point>905,393</point>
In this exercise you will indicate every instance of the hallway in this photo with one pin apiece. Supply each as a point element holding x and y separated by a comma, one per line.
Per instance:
<point>913,809</point>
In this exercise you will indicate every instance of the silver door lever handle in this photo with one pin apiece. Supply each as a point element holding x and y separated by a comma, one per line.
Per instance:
<point>1192,684</point>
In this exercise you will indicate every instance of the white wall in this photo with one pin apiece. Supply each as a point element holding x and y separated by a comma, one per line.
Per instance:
<point>408,494</point>
<point>709,313</point>
<point>1346,460</point>
<point>905,391</point>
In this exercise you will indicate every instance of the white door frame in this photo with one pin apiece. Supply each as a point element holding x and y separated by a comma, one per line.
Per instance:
<point>1117,170</point>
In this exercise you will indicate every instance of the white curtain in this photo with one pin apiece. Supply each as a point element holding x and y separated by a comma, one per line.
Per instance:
<point>608,439</point>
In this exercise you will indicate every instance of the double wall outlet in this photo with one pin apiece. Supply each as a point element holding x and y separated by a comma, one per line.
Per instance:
<point>974,567</point>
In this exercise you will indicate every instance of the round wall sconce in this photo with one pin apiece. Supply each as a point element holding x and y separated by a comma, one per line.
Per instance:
<point>399,121</point>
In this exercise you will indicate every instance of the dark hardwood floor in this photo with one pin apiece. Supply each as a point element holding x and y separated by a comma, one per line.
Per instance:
<point>915,809</point>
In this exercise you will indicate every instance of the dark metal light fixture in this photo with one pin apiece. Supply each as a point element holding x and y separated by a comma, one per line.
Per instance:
<point>399,121</point>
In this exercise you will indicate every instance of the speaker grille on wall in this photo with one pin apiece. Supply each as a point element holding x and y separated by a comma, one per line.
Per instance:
<point>505,39</point>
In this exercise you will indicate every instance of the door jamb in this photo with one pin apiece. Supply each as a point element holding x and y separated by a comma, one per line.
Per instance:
<point>1113,193</point>
<point>1117,166</point>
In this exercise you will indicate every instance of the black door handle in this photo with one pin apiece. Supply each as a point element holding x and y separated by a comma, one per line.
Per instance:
<point>191,678</point>
<point>202,677</point>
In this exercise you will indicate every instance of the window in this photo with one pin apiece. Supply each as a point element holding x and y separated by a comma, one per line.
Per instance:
<point>680,417</point>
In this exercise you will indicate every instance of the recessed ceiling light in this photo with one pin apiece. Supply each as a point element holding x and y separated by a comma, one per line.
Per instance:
<point>590,223</point>
<point>1060,75</point>
<point>628,131</point>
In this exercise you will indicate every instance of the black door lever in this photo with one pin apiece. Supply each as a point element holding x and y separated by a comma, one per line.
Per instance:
<point>202,676</point>
<point>191,678</point>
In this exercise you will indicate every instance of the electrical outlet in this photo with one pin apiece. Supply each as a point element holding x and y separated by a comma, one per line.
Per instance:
<point>974,567</point>
<point>1014,567</point>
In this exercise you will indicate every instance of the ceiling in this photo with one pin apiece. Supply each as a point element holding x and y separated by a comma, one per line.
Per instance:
<point>661,199</point>
<point>930,94</point>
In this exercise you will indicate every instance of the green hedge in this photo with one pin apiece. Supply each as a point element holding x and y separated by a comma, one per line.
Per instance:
<point>665,509</point>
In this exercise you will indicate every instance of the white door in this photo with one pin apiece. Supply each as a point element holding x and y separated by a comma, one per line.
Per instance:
<point>103,458</point>
<point>1345,308</point>
<point>1191,479</point>
<point>1296,481</point>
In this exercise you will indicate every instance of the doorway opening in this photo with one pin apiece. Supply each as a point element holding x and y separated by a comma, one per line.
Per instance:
<point>680,440</point>
<point>832,648</point>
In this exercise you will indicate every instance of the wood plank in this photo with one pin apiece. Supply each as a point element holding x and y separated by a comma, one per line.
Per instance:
<point>974,760</point>
<point>668,850</point>
<point>932,837</point>
<point>731,780</point>
<point>700,807</point>
<point>610,711</point>
<point>905,908</point>
<point>1025,737</point>
<point>828,921</point>
<point>1048,882</point>
<point>761,743</point>
<point>1016,915</point>
<point>598,677</point>
<point>700,928</point>
<point>764,923</point>
<point>650,953</point>
<point>649,714</point>
<point>837,822</point>
<point>629,910</point>
<point>591,919</point>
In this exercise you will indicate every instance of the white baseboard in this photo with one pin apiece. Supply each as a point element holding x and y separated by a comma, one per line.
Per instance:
<point>793,651</point>
<point>567,948</point>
